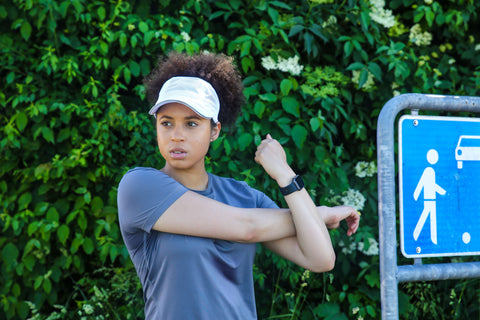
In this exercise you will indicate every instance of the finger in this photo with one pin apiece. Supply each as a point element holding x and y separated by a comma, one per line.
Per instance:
<point>353,222</point>
<point>269,136</point>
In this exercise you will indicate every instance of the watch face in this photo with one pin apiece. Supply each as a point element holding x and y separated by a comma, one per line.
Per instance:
<point>298,182</point>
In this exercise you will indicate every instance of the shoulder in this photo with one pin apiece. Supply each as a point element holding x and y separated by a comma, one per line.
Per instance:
<point>144,194</point>
<point>145,176</point>
<point>142,183</point>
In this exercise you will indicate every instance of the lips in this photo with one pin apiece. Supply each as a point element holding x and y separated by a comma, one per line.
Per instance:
<point>178,153</point>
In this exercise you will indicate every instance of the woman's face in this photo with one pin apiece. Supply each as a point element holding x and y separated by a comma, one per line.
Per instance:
<point>184,137</point>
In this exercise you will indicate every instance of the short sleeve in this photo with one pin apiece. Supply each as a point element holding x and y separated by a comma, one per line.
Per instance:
<point>265,202</point>
<point>144,194</point>
<point>261,199</point>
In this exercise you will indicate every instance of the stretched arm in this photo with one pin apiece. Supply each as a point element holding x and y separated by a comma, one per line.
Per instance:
<point>213,219</point>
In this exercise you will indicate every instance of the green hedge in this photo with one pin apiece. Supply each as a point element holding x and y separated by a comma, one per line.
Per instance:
<point>316,76</point>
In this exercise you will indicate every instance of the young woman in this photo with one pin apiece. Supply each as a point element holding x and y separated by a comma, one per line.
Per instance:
<point>191,234</point>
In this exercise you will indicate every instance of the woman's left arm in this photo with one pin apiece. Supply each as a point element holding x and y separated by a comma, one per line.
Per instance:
<point>311,248</point>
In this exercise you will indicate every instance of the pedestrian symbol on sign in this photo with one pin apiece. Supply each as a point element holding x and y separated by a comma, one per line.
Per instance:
<point>430,190</point>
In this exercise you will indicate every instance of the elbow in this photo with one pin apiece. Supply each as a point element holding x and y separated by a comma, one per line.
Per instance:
<point>325,265</point>
<point>248,236</point>
<point>247,231</point>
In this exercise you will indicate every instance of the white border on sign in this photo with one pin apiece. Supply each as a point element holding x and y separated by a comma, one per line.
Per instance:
<point>400,183</point>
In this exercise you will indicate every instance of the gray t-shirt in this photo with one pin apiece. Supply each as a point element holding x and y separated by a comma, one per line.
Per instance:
<point>185,277</point>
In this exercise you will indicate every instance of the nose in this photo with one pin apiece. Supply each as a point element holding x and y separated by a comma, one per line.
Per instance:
<point>178,134</point>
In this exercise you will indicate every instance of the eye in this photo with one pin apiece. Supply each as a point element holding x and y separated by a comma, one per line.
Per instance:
<point>192,124</point>
<point>166,124</point>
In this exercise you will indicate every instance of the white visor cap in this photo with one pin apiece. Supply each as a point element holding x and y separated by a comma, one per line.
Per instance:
<point>195,93</point>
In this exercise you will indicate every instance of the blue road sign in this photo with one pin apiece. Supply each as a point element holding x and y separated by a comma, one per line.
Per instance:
<point>439,179</point>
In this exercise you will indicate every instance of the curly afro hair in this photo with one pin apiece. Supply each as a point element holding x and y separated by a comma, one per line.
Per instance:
<point>217,69</point>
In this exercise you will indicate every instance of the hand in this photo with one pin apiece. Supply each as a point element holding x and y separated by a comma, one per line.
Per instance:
<point>332,216</point>
<point>271,156</point>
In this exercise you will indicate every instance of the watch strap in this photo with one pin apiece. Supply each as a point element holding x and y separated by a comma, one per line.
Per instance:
<point>296,185</point>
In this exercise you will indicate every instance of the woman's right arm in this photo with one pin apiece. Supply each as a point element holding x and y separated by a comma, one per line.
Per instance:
<point>195,215</point>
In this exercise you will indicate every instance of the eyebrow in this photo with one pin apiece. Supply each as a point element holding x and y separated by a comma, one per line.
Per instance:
<point>195,117</point>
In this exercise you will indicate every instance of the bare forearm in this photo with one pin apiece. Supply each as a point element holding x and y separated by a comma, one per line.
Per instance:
<point>312,245</point>
<point>270,224</point>
<point>311,232</point>
<point>196,215</point>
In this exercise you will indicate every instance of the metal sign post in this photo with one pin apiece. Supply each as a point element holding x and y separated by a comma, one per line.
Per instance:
<point>390,273</point>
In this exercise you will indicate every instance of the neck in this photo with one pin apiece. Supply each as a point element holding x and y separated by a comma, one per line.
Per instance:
<point>192,180</point>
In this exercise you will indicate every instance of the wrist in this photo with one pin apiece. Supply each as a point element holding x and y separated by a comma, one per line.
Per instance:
<point>285,179</point>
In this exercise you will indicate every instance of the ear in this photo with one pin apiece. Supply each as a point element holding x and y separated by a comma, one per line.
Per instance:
<point>215,131</point>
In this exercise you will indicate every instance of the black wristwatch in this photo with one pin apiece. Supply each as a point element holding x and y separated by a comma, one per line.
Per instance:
<point>296,185</point>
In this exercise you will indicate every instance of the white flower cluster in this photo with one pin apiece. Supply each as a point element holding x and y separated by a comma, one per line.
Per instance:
<point>418,37</point>
<point>185,36</point>
<point>347,250</point>
<point>332,20</point>
<point>365,169</point>
<point>371,251</point>
<point>88,308</point>
<point>381,15</point>
<point>354,199</point>
<point>477,47</point>
<point>372,248</point>
<point>368,85</point>
<point>290,65</point>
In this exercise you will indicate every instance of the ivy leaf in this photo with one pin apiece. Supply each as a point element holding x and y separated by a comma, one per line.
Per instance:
<point>26,30</point>
<point>259,109</point>
<point>101,13</point>
<point>356,66</point>
<point>295,29</point>
<point>24,200</point>
<point>123,40</point>
<point>291,105</point>
<point>88,245</point>
<point>52,215</point>
<point>38,282</point>
<point>269,97</point>
<point>47,285</point>
<point>363,78</point>
<point>315,124</point>
<point>143,27</point>
<point>375,70</point>
<point>134,68</point>
<point>47,134</point>
<point>244,140</point>
<point>299,135</point>
<point>10,253</point>
<point>21,121</point>
<point>285,86</point>
<point>62,233</point>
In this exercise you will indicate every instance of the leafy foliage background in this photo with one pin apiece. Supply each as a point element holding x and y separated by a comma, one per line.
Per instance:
<point>74,120</point>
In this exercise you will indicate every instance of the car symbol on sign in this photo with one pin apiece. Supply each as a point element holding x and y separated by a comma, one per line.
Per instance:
<point>468,149</point>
